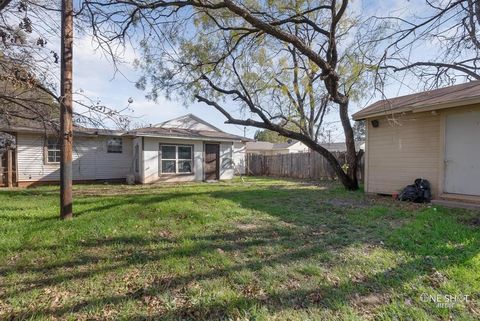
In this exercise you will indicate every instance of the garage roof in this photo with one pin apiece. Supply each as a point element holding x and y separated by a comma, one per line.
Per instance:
<point>447,97</point>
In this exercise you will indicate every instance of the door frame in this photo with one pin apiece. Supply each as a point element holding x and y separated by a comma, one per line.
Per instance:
<point>217,169</point>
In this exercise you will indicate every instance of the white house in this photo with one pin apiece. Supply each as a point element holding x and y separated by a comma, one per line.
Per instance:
<point>267,148</point>
<point>293,146</point>
<point>182,149</point>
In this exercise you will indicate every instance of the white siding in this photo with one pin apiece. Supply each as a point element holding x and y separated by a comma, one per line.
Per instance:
<point>239,158</point>
<point>90,159</point>
<point>226,161</point>
<point>187,122</point>
<point>138,174</point>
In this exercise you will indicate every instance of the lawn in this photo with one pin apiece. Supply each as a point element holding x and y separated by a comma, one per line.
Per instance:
<point>262,249</point>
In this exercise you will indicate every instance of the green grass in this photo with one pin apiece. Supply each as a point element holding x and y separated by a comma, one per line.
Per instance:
<point>255,250</point>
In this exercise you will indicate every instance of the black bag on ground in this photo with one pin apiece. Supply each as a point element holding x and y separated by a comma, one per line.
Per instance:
<point>418,193</point>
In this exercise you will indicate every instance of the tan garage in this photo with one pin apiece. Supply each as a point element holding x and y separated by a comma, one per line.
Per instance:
<point>433,135</point>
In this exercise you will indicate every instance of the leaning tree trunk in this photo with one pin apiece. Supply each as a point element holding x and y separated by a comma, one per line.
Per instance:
<point>352,160</point>
<point>346,180</point>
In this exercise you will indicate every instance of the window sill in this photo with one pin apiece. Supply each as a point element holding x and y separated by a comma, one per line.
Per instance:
<point>175,174</point>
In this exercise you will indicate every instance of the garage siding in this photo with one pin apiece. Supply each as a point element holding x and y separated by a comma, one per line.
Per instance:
<point>401,149</point>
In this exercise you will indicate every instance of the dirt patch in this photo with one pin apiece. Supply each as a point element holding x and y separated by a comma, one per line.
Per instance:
<point>436,279</point>
<point>397,223</point>
<point>385,200</point>
<point>248,226</point>
<point>347,202</point>
<point>368,303</point>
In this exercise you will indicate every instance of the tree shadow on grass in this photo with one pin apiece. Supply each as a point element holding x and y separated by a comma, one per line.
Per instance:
<point>313,228</point>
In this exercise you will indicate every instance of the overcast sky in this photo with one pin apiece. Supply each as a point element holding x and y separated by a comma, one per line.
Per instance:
<point>94,74</point>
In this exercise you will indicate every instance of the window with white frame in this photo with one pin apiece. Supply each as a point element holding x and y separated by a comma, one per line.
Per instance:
<point>176,159</point>
<point>53,150</point>
<point>114,145</point>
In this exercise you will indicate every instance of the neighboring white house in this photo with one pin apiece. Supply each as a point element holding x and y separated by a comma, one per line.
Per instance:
<point>267,148</point>
<point>182,149</point>
<point>342,147</point>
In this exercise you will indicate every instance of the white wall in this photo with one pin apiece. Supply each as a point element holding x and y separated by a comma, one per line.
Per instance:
<point>90,159</point>
<point>151,164</point>
<point>151,171</point>
<point>298,147</point>
<point>239,158</point>
<point>138,175</point>
<point>226,161</point>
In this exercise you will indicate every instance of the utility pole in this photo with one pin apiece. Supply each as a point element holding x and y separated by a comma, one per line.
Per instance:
<point>66,110</point>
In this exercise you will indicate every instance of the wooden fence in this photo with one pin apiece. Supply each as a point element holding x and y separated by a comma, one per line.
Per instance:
<point>298,165</point>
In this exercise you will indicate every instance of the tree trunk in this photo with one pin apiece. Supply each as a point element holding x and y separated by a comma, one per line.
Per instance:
<point>346,180</point>
<point>352,160</point>
<point>66,111</point>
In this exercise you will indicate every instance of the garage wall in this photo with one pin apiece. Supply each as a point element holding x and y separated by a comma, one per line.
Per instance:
<point>401,149</point>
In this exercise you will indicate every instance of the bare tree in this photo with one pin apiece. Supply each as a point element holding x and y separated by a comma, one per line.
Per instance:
<point>440,46</point>
<point>30,70</point>
<point>280,62</point>
<point>29,74</point>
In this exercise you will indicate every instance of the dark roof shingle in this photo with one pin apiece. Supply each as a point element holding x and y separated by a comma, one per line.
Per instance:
<point>180,132</point>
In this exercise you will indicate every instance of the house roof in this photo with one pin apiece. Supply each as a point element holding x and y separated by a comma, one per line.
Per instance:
<point>187,122</point>
<point>188,126</point>
<point>76,129</point>
<point>447,97</point>
<point>186,133</point>
<point>161,130</point>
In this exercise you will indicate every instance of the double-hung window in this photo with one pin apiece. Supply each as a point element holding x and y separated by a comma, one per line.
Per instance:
<point>53,150</point>
<point>176,159</point>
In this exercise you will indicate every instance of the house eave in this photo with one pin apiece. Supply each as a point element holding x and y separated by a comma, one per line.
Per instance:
<point>447,104</point>
<point>419,108</point>
<point>210,139</point>
<point>47,131</point>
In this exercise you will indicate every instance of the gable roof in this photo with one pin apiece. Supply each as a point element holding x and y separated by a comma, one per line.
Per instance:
<point>188,121</point>
<point>186,134</point>
<point>187,127</point>
<point>447,97</point>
